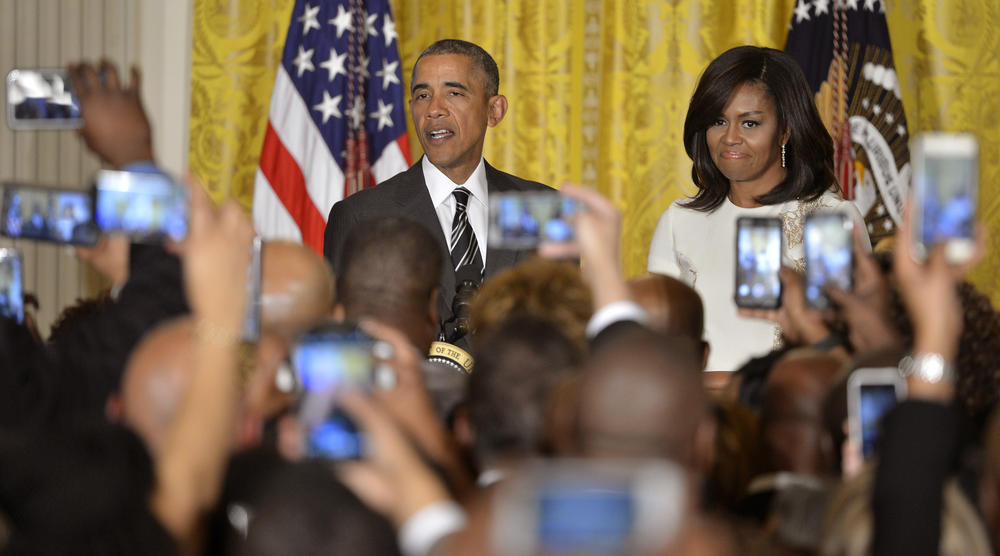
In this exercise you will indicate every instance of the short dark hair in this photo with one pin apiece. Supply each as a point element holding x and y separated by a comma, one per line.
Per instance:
<point>518,366</point>
<point>389,268</point>
<point>482,59</point>
<point>809,147</point>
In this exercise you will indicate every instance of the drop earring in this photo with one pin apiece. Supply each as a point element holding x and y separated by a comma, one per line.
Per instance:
<point>783,155</point>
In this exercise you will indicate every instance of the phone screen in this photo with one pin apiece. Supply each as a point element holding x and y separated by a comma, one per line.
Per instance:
<point>875,401</point>
<point>142,205</point>
<point>949,191</point>
<point>595,518</point>
<point>758,260</point>
<point>62,216</point>
<point>11,288</point>
<point>524,220</point>
<point>326,361</point>
<point>41,99</point>
<point>829,256</point>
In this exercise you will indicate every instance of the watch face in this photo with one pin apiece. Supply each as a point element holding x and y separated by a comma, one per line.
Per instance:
<point>929,367</point>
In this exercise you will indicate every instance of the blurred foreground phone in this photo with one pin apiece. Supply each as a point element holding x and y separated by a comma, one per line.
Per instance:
<point>146,206</point>
<point>523,220</point>
<point>11,285</point>
<point>327,360</point>
<point>251,315</point>
<point>48,214</point>
<point>945,186</point>
<point>871,393</point>
<point>829,250</point>
<point>41,99</point>
<point>758,260</point>
<point>577,507</point>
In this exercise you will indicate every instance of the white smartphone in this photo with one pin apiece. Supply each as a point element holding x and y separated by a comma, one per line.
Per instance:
<point>146,206</point>
<point>829,250</point>
<point>871,393</point>
<point>589,507</point>
<point>41,99</point>
<point>758,260</point>
<point>945,186</point>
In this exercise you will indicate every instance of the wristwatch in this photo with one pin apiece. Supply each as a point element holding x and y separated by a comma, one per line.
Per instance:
<point>929,367</point>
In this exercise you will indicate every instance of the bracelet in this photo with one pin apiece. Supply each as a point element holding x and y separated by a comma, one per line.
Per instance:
<point>928,367</point>
<point>829,342</point>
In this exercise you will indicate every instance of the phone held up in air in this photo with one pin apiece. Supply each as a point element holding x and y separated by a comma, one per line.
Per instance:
<point>251,315</point>
<point>829,252</point>
<point>145,206</point>
<point>871,393</point>
<point>41,99</point>
<point>525,219</point>
<point>572,507</point>
<point>48,214</point>
<point>328,360</point>
<point>11,285</point>
<point>758,260</point>
<point>945,188</point>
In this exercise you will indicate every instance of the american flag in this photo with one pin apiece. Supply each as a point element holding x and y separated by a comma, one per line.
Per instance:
<point>336,122</point>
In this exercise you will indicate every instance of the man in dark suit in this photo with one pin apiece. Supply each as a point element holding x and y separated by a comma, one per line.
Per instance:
<point>455,98</point>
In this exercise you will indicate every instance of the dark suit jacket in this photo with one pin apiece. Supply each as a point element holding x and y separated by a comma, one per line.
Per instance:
<point>406,195</point>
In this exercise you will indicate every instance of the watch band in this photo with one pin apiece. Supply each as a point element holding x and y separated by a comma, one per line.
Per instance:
<point>929,367</point>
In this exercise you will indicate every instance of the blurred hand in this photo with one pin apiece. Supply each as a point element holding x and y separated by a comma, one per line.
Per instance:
<point>929,292</point>
<point>115,126</point>
<point>800,325</point>
<point>866,308</point>
<point>392,463</point>
<point>598,238</point>
<point>215,256</point>
<point>109,258</point>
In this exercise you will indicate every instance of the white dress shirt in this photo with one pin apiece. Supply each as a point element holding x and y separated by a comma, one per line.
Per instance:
<point>441,187</point>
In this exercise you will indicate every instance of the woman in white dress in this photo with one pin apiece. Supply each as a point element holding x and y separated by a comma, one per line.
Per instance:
<point>759,148</point>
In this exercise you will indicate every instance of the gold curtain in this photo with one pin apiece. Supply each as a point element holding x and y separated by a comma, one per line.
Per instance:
<point>598,89</point>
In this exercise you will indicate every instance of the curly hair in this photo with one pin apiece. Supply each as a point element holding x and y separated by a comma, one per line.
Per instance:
<point>541,288</point>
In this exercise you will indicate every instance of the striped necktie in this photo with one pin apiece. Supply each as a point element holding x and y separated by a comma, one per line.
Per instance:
<point>464,245</point>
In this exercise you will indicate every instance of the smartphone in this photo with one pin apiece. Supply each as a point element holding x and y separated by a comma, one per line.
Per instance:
<point>871,393</point>
<point>146,206</point>
<point>251,315</point>
<point>327,360</point>
<point>758,260</point>
<point>829,250</point>
<point>945,186</point>
<point>523,220</point>
<point>588,507</point>
<point>41,99</point>
<point>11,285</point>
<point>48,214</point>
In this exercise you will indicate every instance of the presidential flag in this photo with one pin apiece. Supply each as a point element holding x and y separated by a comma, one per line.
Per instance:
<point>336,122</point>
<point>843,47</point>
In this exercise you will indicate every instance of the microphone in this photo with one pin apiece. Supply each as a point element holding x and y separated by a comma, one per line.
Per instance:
<point>444,351</point>
<point>467,281</point>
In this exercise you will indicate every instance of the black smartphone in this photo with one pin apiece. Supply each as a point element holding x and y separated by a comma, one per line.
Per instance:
<point>11,285</point>
<point>522,220</point>
<point>48,214</point>
<point>41,99</point>
<point>251,315</point>
<point>758,260</point>
<point>146,206</point>
<point>327,360</point>
<point>829,250</point>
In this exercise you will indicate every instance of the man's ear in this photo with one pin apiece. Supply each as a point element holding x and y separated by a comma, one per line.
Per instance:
<point>497,110</point>
<point>432,305</point>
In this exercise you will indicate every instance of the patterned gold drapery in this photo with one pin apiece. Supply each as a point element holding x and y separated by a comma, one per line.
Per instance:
<point>598,88</point>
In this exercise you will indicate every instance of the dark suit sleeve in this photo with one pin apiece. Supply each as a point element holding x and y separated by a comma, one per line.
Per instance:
<point>919,448</point>
<point>342,219</point>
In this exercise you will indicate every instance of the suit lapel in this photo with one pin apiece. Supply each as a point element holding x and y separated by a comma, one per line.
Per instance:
<point>414,201</point>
